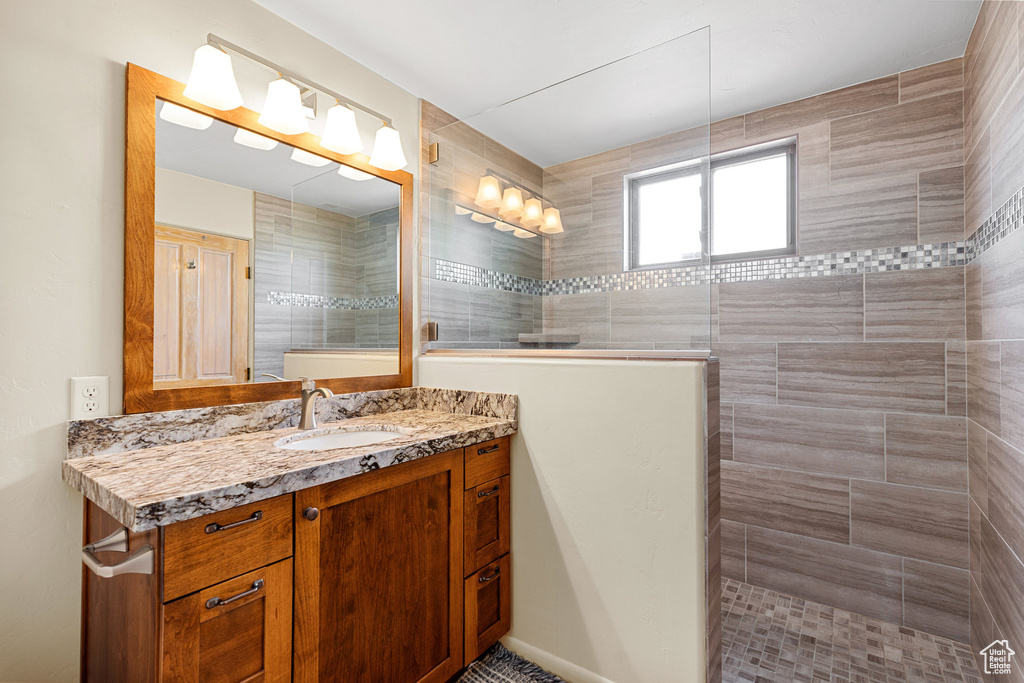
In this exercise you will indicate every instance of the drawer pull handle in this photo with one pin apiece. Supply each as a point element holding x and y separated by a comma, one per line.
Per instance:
<point>256,516</point>
<point>492,577</point>
<point>217,602</point>
<point>481,451</point>
<point>484,494</point>
<point>139,562</point>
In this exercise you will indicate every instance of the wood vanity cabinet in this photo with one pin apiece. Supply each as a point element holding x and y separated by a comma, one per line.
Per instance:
<point>399,575</point>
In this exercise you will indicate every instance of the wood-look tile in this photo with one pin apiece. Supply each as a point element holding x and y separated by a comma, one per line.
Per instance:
<point>974,528</point>
<point>666,314</point>
<point>915,135</point>
<point>796,309</point>
<point>1003,289</point>
<point>504,159</point>
<point>713,393</point>
<point>925,524</point>
<point>926,450</point>
<point>973,292</point>
<point>713,482</point>
<point>983,384</point>
<point>858,215</point>
<point>990,67</point>
<point>1011,393</point>
<point>931,80</point>
<point>936,599</point>
<point>499,316</point>
<point>914,305</point>
<point>791,437</point>
<point>812,151</point>
<point>856,579</point>
<point>977,463</point>
<point>1002,583</point>
<point>582,314</point>
<point>956,378</point>
<point>748,372</point>
<point>727,135</point>
<point>1007,140</point>
<point>734,550</point>
<point>686,145</point>
<point>940,205</point>
<point>982,629</point>
<point>1006,492</point>
<point>786,118</point>
<point>807,504</point>
<point>896,376</point>
<point>727,430</point>
<point>978,185</point>
<point>589,167</point>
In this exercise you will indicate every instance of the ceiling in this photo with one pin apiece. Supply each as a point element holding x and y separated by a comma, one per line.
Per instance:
<point>468,56</point>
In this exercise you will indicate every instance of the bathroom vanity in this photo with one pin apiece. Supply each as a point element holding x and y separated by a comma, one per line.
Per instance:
<point>248,561</point>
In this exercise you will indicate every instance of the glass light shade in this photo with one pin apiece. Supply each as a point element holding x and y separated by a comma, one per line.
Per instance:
<point>184,117</point>
<point>304,157</point>
<point>552,221</point>
<point>488,194</point>
<point>524,234</point>
<point>254,140</point>
<point>353,173</point>
<point>462,211</point>
<point>212,80</point>
<point>533,213</point>
<point>480,218</point>
<point>387,150</point>
<point>341,134</point>
<point>512,203</point>
<point>505,227</point>
<point>283,110</point>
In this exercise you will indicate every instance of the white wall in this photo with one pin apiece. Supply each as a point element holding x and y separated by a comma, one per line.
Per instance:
<point>607,513</point>
<point>204,205</point>
<point>341,364</point>
<point>61,236</point>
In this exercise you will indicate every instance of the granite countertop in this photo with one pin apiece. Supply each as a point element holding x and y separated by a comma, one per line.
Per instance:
<point>155,486</point>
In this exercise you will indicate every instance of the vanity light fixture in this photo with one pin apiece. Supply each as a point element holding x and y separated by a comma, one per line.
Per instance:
<point>353,173</point>
<point>488,194</point>
<point>533,213</point>
<point>552,221</point>
<point>212,80</point>
<point>184,117</point>
<point>462,211</point>
<point>304,157</point>
<point>387,150</point>
<point>283,110</point>
<point>480,218</point>
<point>505,227</point>
<point>524,234</point>
<point>341,134</point>
<point>511,203</point>
<point>254,140</point>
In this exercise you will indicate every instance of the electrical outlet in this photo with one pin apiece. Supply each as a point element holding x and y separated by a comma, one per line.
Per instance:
<point>90,397</point>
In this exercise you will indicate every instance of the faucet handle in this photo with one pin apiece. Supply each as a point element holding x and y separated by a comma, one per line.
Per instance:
<point>307,384</point>
<point>267,374</point>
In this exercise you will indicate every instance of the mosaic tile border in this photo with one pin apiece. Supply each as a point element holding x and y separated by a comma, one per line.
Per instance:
<point>318,301</point>
<point>1004,222</point>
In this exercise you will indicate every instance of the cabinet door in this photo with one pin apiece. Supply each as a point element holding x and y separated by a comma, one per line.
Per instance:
<point>488,606</point>
<point>378,576</point>
<point>487,528</point>
<point>239,631</point>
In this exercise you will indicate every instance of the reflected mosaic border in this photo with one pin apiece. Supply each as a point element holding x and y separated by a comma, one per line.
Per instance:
<point>1003,222</point>
<point>318,301</point>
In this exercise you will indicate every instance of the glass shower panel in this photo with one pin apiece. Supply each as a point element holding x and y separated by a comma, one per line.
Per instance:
<point>575,217</point>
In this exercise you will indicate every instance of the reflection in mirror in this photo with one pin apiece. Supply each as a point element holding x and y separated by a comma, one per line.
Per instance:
<point>268,259</point>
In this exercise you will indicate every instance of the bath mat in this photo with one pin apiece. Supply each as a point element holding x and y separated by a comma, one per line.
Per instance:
<point>499,665</point>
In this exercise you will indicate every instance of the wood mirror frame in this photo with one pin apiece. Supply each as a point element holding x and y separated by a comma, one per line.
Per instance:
<point>144,87</point>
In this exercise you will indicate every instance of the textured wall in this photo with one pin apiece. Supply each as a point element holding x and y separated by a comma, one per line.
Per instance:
<point>994,128</point>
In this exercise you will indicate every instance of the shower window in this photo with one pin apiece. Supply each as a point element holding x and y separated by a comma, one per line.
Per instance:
<point>752,208</point>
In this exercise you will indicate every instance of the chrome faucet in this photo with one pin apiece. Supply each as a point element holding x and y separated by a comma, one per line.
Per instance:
<point>307,414</point>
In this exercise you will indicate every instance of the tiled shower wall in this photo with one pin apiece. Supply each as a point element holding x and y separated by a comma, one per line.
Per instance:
<point>994,137</point>
<point>322,280</point>
<point>844,473</point>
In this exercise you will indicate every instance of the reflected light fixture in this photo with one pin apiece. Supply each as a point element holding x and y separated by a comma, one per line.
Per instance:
<point>254,140</point>
<point>462,211</point>
<point>387,150</point>
<point>524,234</point>
<point>511,203</point>
<point>184,117</point>
<point>353,173</point>
<point>488,194</point>
<point>283,109</point>
<point>341,134</point>
<point>552,221</point>
<point>304,157</point>
<point>480,218</point>
<point>212,80</point>
<point>505,227</point>
<point>533,213</point>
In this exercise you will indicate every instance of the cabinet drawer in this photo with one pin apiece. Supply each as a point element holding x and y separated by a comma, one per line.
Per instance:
<point>486,529</point>
<point>207,550</point>
<point>239,631</point>
<point>488,607</point>
<point>486,461</point>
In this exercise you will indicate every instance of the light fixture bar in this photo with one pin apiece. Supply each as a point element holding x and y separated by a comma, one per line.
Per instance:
<point>291,75</point>
<point>470,207</point>
<point>508,181</point>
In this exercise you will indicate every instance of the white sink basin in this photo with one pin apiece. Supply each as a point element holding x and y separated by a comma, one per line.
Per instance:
<point>337,439</point>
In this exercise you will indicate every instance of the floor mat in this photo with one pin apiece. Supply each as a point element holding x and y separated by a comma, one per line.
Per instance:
<point>500,665</point>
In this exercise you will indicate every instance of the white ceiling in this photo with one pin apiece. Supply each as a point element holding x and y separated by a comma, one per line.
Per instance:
<point>468,56</point>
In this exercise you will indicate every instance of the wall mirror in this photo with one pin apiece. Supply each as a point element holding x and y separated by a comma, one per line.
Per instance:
<point>251,255</point>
